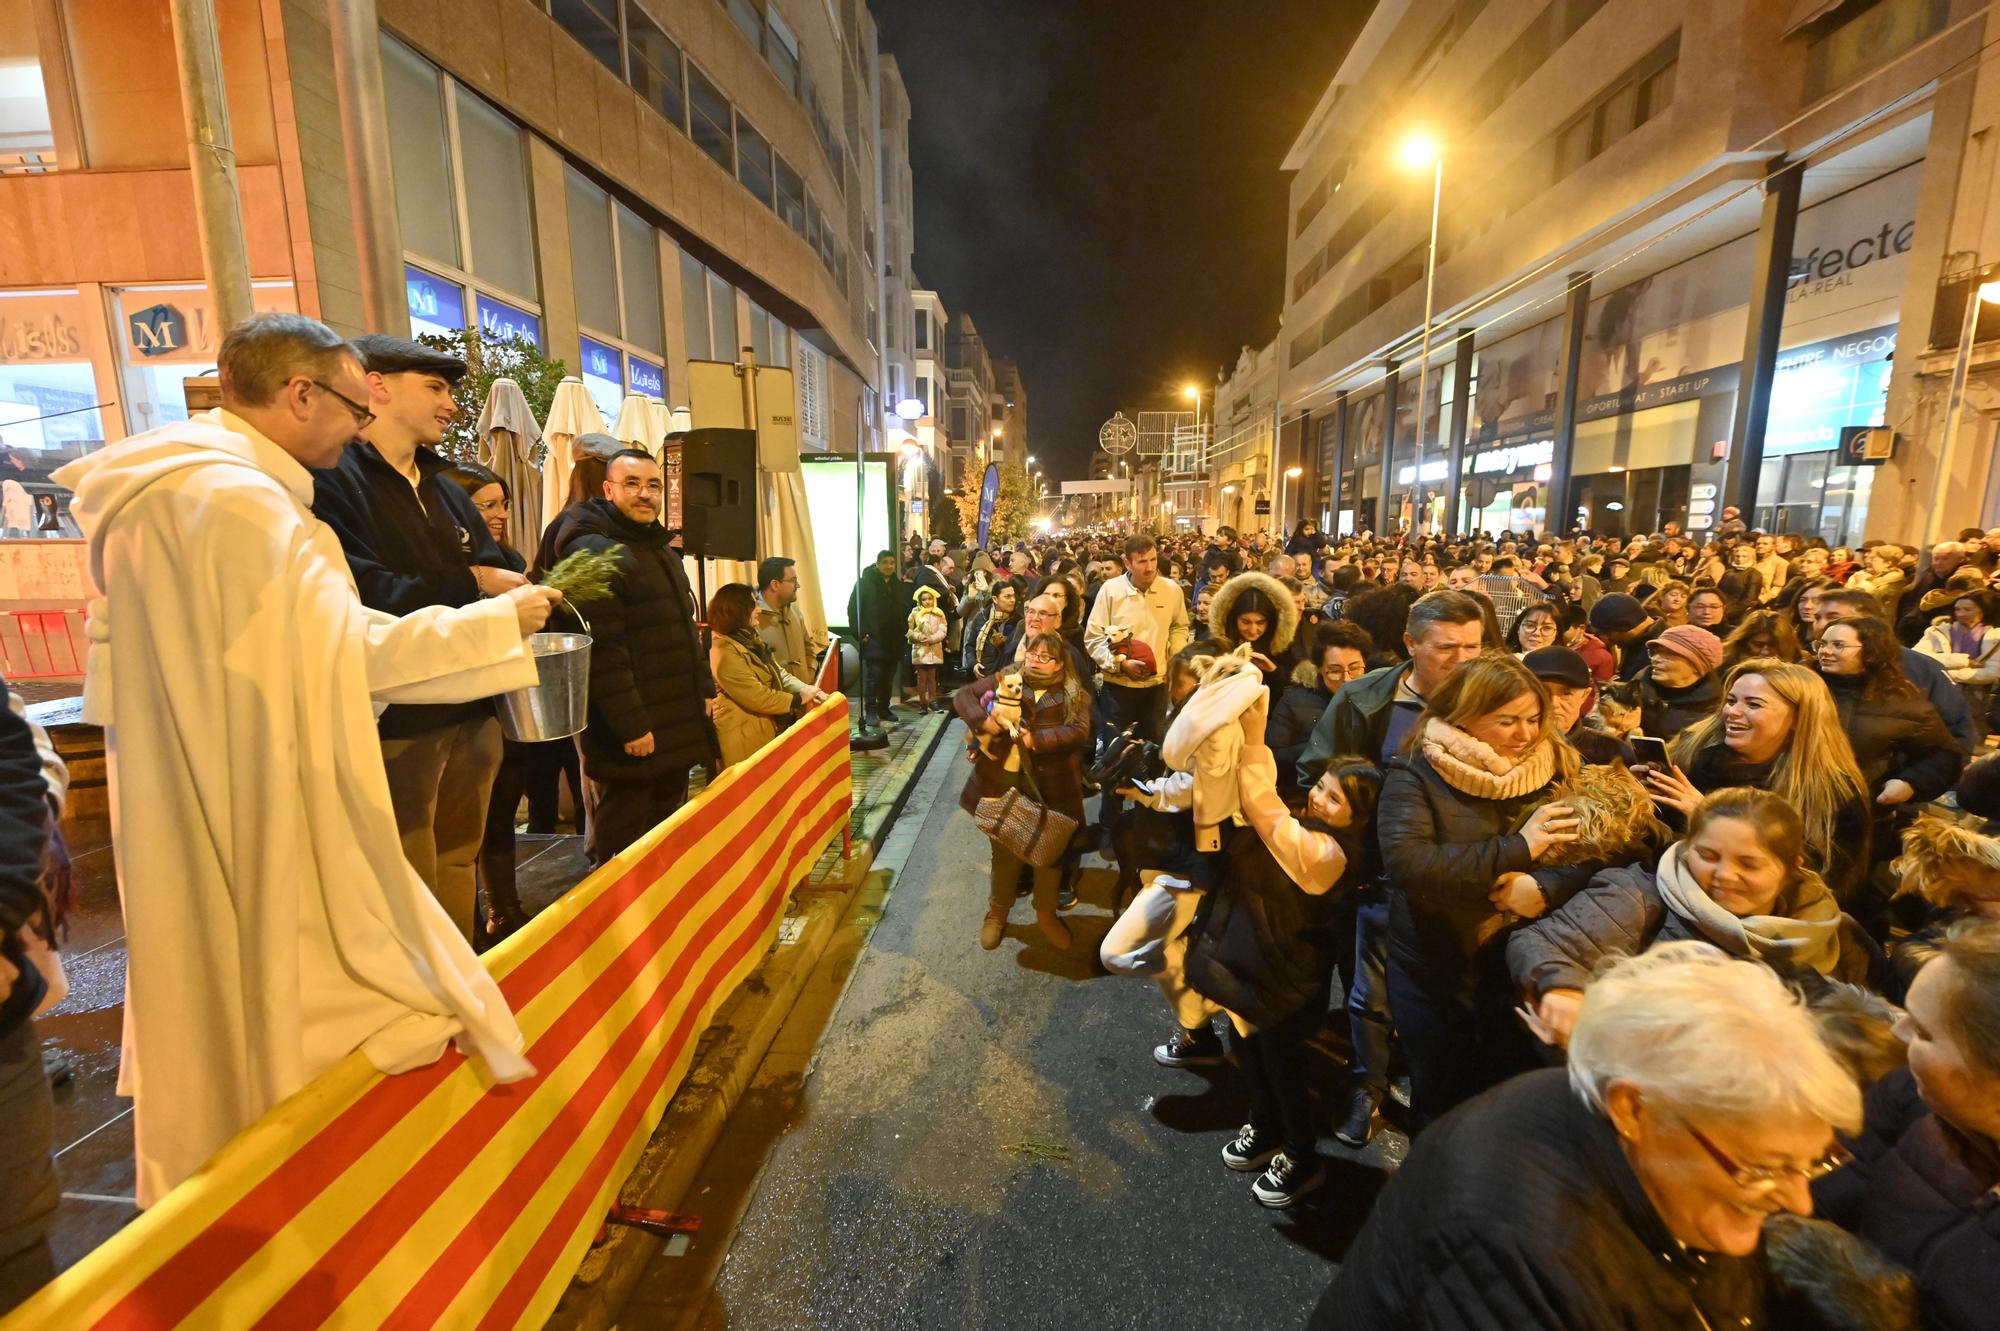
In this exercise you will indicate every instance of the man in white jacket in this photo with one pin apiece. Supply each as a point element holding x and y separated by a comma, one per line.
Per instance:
<point>272,923</point>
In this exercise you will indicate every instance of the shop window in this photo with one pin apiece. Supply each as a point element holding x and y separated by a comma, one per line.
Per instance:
<point>592,263</point>
<point>166,335</point>
<point>502,322</point>
<point>496,176</point>
<point>709,120</point>
<point>791,196</point>
<point>722,318</point>
<point>603,376</point>
<point>420,153</point>
<point>656,67</point>
<point>48,391</point>
<point>594,24</point>
<point>644,377</point>
<point>437,304</point>
<point>694,310</point>
<point>753,162</point>
<point>639,280</point>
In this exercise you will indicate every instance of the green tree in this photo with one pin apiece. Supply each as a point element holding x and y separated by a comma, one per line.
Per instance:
<point>1016,509</point>
<point>966,504</point>
<point>945,522</point>
<point>487,359</point>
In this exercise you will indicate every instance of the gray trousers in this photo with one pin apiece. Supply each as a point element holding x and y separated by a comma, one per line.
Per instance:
<point>439,782</point>
<point>28,1192</point>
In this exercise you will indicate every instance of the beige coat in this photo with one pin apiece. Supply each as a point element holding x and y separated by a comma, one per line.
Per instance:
<point>752,695</point>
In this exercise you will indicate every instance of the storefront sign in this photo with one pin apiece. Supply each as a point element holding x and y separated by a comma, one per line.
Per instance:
<point>1507,460</point>
<point>1433,471</point>
<point>501,322</point>
<point>41,325</point>
<point>169,326</point>
<point>601,362</point>
<point>645,378</point>
<point>436,305</point>
<point>1820,390</point>
<point>1866,445</point>
<point>1722,379</point>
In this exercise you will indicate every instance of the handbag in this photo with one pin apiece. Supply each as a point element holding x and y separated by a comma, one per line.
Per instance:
<point>1020,821</point>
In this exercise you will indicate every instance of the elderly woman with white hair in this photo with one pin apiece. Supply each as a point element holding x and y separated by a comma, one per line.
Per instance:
<point>1629,1190</point>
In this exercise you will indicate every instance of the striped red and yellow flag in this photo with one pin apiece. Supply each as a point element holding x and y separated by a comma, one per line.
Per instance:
<point>433,1198</point>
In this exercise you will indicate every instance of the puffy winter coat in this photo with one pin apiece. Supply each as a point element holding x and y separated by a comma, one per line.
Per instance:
<point>648,673</point>
<point>926,631</point>
<point>1921,1192</point>
<point>1060,740</point>
<point>875,614</point>
<point>1443,850</point>
<point>1897,737</point>
<point>1293,717</point>
<point>1621,913</point>
<point>1980,667</point>
<point>1665,713</point>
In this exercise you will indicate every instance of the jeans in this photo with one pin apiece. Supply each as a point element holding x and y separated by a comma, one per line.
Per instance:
<point>1368,1021</point>
<point>1456,1048</point>
<point>547,764</point>
<point>628,809</point>
<point>1274,1069</point>
<point>878,675</point>
<point>28,1191</point>
<point>1150,938</point>
<point>1120,706</point>
<point>439,783</point>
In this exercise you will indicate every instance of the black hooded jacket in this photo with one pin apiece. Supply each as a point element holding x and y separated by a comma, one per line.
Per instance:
<point>648,670</point>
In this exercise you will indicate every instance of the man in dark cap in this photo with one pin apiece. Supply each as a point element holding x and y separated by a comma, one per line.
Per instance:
<point>1572,693</point>
<point>1623,625</point>
<point>413,539</point>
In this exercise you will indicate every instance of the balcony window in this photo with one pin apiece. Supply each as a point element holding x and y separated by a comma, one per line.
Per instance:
<point>709,120</point>
<point>594,23</point>
<point>1869,40</point>
<point>639,280</point>
<point>745,16</point>
<point>419,153</point>
<point>791,196</point>
<point>656,67</point>
<point>753,163</point>
<point>781,52</point>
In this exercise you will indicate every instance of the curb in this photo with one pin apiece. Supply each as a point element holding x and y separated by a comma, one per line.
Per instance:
<point>725,1061</point>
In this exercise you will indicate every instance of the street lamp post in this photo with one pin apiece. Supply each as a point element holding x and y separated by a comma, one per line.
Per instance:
<point>1284,510</point>
<point>1421,150</point>
<point>1193,393</point>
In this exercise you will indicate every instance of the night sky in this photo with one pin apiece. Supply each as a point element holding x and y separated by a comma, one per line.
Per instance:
<point>1098,185</point>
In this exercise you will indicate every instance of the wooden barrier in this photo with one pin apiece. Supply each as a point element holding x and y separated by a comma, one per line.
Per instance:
<point>433,1198</point>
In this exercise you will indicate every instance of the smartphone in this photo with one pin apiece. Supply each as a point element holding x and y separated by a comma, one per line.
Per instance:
<point>1652,752</point>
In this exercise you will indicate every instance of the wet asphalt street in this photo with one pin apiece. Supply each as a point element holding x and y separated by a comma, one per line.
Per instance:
<point>983,1140</point>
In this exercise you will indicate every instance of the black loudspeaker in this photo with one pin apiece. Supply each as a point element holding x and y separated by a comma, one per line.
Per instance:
<point>719,493</point>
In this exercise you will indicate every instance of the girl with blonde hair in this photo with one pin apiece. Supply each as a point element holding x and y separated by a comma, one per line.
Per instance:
<point>1778,730</point>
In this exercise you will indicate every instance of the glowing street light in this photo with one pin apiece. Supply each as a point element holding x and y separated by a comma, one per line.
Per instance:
<point>1418,151</point>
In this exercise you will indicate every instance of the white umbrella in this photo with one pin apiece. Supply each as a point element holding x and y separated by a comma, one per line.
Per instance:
<point>571,413</point>
<point>634,426</point>
<point>507,439</point>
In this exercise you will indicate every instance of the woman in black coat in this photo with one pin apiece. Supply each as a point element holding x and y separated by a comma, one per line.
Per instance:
<point>1257,609</point>
<point>1904,750</point>
<point>1924,1185</point>
<point>1464,818</point>
<point>1340,655</point>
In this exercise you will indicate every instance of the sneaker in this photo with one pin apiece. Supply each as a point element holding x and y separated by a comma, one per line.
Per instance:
<point>1287,1180</point>
<point>1066,896</point>
<point>1198,1048</point>
<point>1361,1122</point>
<point>1246,1154</point>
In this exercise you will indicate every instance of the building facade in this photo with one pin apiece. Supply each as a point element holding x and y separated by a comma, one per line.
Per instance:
<point>1678,243</point>
<point>968,399</point>
<point>1241,454</point>
<point>633,185</point>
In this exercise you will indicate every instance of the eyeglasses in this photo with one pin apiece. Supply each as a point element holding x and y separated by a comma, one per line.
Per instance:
<point>360,413</point>
<point>491,506</point>
<point>1769,1178</point>
<point>647,488</point>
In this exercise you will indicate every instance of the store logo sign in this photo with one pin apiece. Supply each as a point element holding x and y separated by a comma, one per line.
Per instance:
<point>157,330</point>
<point>44,337</point>
<point>647,379</point>
<point>1823,268</point>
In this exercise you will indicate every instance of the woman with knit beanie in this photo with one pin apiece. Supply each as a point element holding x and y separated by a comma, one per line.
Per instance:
<point>1048,734</point>
<point>1463,821</point>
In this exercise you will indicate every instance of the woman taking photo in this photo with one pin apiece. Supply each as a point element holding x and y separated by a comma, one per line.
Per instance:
<point>1738,880</point>
<point>1463,820</point>
<point>1777,730</point>
<point>752,691</point>
<point>1052,733</point>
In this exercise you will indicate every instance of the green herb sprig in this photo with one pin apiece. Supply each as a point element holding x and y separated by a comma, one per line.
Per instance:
<point>585,576</point>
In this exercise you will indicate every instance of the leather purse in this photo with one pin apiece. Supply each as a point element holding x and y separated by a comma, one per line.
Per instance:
<point>1020,821</point>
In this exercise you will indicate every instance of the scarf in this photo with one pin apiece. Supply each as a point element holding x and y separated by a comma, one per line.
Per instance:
<point>1809,936</point>
<point>760,654</point>
<point>1471,767</point>
<point>1041,680</point>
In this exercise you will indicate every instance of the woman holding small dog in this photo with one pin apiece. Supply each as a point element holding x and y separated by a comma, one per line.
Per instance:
<point>1047,736</point>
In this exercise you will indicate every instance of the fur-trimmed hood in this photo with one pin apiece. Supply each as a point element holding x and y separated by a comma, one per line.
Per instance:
<point>1938,856</point>
<point>1306,675</point>
<point>1231,591</point>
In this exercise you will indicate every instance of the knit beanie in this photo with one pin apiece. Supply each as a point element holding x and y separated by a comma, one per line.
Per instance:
<point>1693,644</point>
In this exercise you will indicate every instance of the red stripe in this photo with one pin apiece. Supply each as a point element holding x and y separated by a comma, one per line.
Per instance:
<point>187,1276</point>
<point>364,1244</point>
<point>429,1300</point>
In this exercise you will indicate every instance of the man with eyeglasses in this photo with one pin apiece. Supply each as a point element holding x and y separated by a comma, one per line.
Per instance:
<point>650,688</point>
<point>413,539</point>
<point>779,622</point>
<point>273,922</point>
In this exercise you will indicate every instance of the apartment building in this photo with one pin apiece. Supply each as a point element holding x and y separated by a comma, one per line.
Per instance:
<point>1009,413</point>
<point>1240,453</point>
<point>968,399</point>
<point>631,184</point>
<point>1677,244</point>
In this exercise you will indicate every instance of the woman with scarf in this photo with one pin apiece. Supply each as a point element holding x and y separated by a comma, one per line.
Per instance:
<point>1052,733</point>
<point>1464,820</point>
<point>1737,880</point>
<point>986,644</point>
<point>752,691</point>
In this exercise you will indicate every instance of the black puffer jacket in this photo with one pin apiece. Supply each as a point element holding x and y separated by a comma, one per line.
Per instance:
<point>1897,737</point>
<point>1924,1194</point>
<point>1293,718</point>
<point>1665,713</point>
<point>648,672</point>
<point>1264,948</point>
<point>876,614</point>
<point>1443,850</point>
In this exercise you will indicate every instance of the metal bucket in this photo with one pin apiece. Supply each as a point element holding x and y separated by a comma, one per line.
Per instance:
<point>556,706</point>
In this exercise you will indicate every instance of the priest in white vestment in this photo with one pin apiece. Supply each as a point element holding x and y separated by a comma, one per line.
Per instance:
<point>272,923</point>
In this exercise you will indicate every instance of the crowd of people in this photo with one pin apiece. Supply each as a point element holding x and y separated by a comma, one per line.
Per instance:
<point>1668,868</point>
